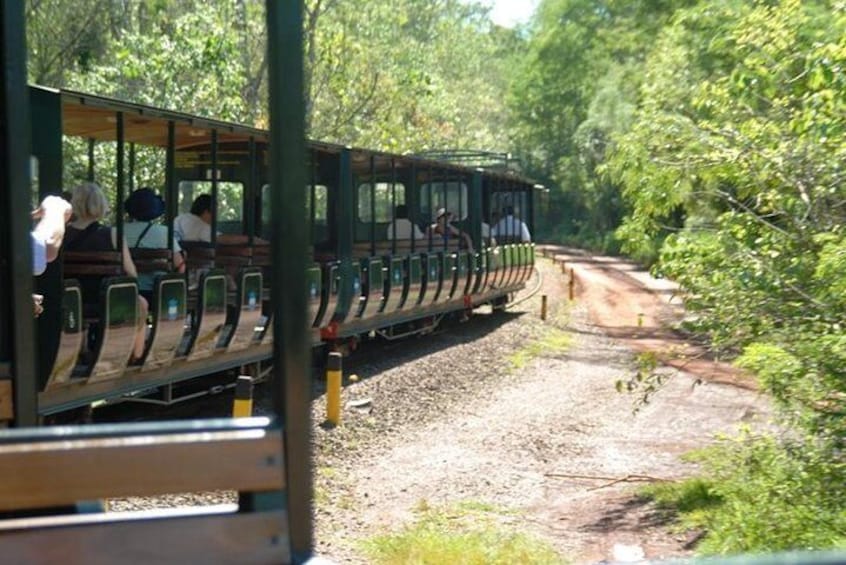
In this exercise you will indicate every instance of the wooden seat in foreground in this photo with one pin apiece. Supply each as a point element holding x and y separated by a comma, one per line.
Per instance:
<point>55,468</point>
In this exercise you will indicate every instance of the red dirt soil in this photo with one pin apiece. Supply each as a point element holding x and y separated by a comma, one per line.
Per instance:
<point>639,310</point>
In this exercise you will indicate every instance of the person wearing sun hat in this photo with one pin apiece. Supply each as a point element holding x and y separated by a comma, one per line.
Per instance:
<point>142,232</point>
<point>441,230</point>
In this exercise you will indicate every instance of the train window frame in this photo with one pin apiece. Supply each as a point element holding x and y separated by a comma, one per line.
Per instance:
<point>319,214</point>
<point>385,202</point>
<point>500,199</point>
<point>458,206</point>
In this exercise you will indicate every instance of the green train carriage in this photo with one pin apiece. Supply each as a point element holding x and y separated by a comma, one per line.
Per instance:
<point>217,317</point>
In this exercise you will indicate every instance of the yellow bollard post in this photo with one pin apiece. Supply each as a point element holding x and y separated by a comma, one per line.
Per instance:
<point>242,406</point>
<point>543,307</point>
<point>333,388</point>
<point>640,320</point>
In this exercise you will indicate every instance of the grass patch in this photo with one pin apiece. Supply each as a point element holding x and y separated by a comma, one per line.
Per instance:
<point>467,534</point>
<point>554,341</point>
<point>690,500</point>
<point>761,495</point>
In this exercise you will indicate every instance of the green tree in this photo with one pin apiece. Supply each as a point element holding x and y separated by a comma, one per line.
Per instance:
<point>405,76</point>
<point>575,91</point>
<point>734,171</point>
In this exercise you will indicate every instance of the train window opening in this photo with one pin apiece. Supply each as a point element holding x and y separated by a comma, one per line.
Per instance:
<point>317,203</point>
<point>501,200</point>
<point>387,195</point>
<point>147,169</point>
<point>316,209</point>
<point>451,195</point>
<point>91,162</point>
<point>230,202</point>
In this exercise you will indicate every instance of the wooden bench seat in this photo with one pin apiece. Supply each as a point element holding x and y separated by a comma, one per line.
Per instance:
<point>53,469</point>
<point>168,310</point>
<point>71,335</point>
<point>199,255</point>
<point>209,316</point>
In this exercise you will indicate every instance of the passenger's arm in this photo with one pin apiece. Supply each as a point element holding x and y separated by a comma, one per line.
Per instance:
<point>178,257</point>
<point>128,264</point>
<point>178,262</point>
<point>53,213</point>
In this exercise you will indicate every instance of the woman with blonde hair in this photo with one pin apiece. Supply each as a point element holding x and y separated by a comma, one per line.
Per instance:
<point>86,233</point>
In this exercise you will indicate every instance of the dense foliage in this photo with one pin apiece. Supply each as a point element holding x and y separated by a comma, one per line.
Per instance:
<point>739,147</point>
<point>400,76</point>
<point>710,139</point>
<point>761,495</point>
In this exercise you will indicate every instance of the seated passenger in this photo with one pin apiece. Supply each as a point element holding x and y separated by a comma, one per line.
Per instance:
<point>86,233</point>
<point>487,238</point>
<point>402,227</point>
<point>442,229</point>
<point>510,228</point>
<point>196,225</point>
<point>52,215</point>
<point>46,238</point>
<point>143,206</point>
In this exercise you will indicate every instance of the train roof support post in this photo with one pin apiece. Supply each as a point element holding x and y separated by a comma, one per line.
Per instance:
<point>17,336</point>
<point>292,382</point>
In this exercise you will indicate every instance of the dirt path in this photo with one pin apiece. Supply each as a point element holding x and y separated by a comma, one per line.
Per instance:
<point>520,438</point>
<point>627,303</point>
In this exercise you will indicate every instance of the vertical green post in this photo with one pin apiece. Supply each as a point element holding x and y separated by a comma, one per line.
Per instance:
<point>345,231</point>
<point>18,335</point>
<point>171,198</point>
<point>253,192</point>
<point>121,193</point>
<point>91,172</point>
<point>292,383</point>
<point>475,212</point>
<point>214,187</point>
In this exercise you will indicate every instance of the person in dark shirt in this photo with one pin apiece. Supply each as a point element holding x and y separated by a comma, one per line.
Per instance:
<point>86,233</point>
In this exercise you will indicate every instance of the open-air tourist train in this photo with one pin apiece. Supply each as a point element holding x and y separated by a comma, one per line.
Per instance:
<point>297,254</point>
<point>216,314</point>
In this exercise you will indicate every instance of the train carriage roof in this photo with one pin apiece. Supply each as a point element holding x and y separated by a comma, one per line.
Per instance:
<point>94,117</point>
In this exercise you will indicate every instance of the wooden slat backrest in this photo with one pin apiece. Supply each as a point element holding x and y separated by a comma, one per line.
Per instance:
<point>53,468</point>
<point>161,537</point>
<point>233,251</point>
<point>61,472</point>
<point>81,263</point>
<point>403,247</point>
<point>152,260</point>
<point>198,254</point>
